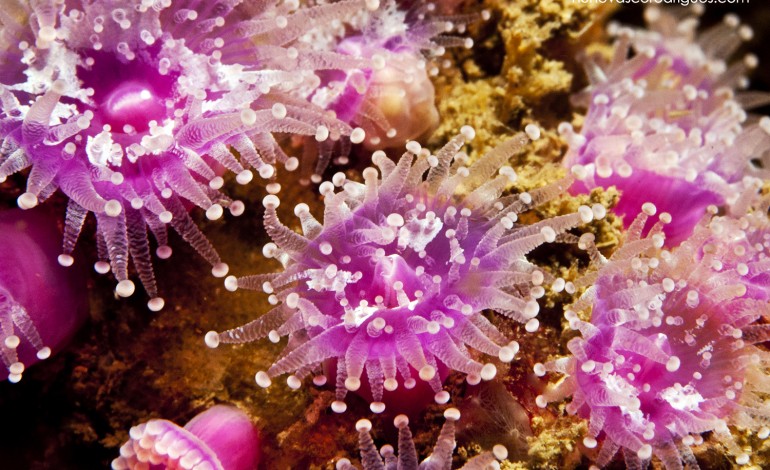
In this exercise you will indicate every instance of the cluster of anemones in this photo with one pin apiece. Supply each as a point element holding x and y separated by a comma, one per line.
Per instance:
<point>669,352</point>
<point>131,108</point>
<point>396,278</point>
<point>669,117</point>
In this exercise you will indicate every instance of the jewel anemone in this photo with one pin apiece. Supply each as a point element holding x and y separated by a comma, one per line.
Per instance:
<point>666,110</point>
<point>132,109</point>
<point>670,350</point>
<point>392,100</point>
<point>397,277</point>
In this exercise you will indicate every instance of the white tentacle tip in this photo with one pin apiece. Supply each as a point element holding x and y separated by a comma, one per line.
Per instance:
<point>217,182</point>
<point>532,131</point>
<point>102,267</point>
<point>452,414</point>
<point>65,260</point>
<point>164,252</point>
<point>363,425</point>
<point>390,384</point>
<point>220,269</point>
<point>377,407</point>
<point>500,452</point>
<point>125,288</point>
<point>231,283</point>
<point>248,117</point>
<point>27,201</point>
<point>468,132</point>
<point>352,383</point>
<point>507,354</point>
<point>237,208</point>
<point>212,339</point>
<point>532,325</point>
<point>266,171</point>
<point>442,397</point>
<point>214,212</point>
<point>113,208</point>
<point>271,201</point>
<point>644,452</point>
<point>262,379</point>
<point>156,304</point>
<point>293,382</point>
<point>401,421</point>
<point>245,177</point>
<point>357,136</point>
<point>165,217</point>
<point>427,372</point>
<point>488,372</point>
<point>649,208</point>
<point>44,353</point>
<point>319,380</point>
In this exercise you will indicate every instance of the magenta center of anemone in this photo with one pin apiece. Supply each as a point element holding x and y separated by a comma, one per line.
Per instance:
<point>391,272</point>
<point>132,103</point>
<point>127,95</point>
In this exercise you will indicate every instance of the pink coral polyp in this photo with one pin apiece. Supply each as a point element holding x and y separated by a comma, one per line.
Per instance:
<point>396,278</point>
